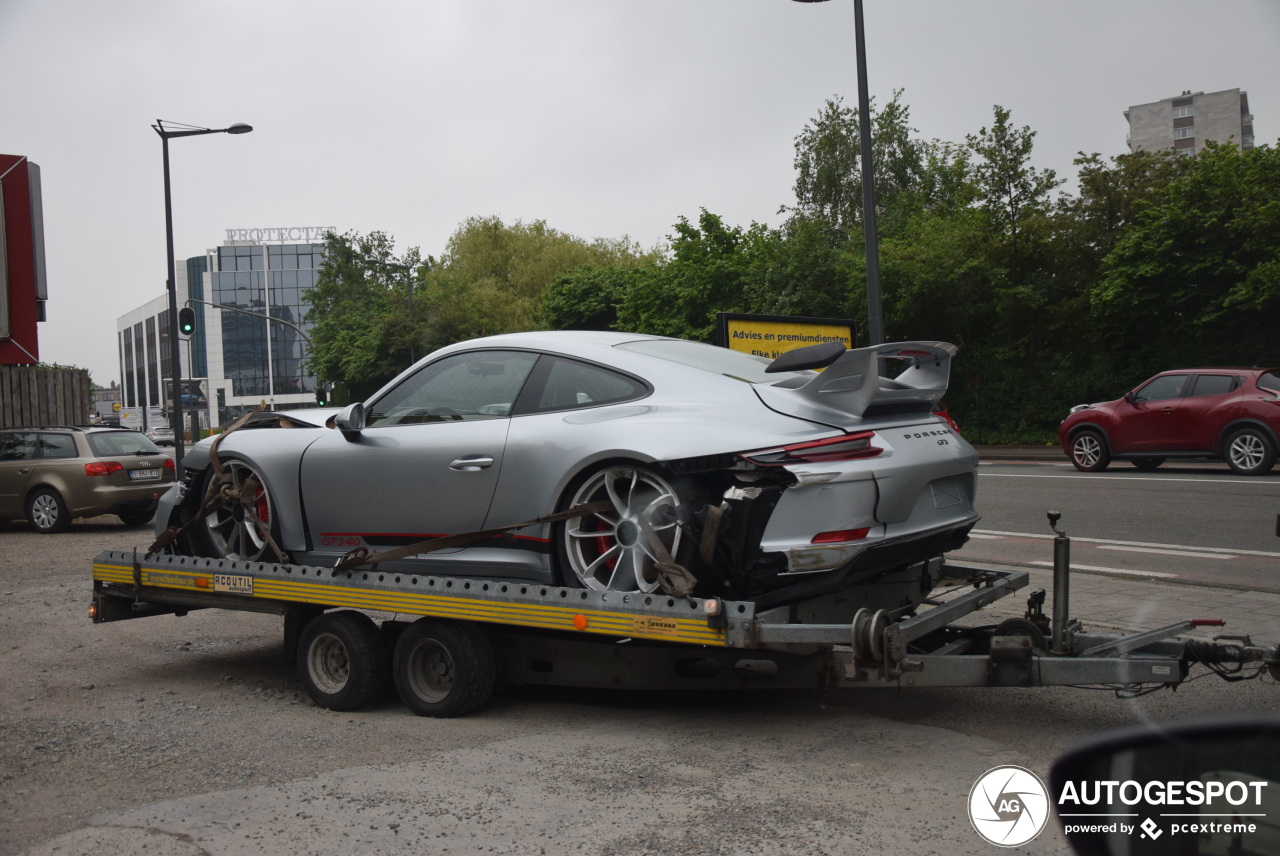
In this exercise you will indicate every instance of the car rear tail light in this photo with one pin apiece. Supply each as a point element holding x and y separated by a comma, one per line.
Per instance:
<point>840,536</point>
<point>846,447</point>
<point>102,468</point>
<point>168,464</point>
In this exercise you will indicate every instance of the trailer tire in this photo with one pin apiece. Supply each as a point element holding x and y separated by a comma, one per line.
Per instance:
<point>342,660</point>
<point>445,668</point>
<point>1023,627</point>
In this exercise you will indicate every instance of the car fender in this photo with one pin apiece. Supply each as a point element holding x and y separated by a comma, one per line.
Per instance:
<point>1244,422</point>
<point>1075,429</point>
<point>276,454</point>
<point>50,479</point>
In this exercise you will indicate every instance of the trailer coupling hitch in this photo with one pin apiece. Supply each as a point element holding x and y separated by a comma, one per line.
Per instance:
<point>1226,656</point>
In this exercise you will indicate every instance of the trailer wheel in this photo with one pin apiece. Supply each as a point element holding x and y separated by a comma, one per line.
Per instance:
<point>342,660</point>
<point>1023,627</point>
<point>444,668</point>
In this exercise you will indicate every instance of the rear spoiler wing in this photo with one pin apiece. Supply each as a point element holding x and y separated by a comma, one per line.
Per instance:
<point>852,383</point>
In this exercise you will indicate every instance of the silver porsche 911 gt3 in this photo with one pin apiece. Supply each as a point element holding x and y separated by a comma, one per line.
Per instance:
<point>773,481</point>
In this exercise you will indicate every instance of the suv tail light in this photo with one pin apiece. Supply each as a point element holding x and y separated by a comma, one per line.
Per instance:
<point>846,447</point>
<point>102,468</point>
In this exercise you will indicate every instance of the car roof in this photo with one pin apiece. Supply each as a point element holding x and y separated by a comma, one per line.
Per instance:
<point>1237,369</point>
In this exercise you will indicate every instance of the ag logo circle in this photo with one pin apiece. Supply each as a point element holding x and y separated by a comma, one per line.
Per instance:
<point>1008,806</point>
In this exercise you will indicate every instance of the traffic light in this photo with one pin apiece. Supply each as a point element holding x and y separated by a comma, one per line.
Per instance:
<point>322,397</point>
<point>186,320</point>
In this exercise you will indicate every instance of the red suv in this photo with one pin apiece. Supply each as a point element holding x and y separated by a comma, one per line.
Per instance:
<point>1223,414</point>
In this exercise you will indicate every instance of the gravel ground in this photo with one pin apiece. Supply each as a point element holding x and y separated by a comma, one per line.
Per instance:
<point>179,736</point>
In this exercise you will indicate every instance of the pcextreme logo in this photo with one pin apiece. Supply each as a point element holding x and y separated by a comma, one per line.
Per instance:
<point>1008,806</point>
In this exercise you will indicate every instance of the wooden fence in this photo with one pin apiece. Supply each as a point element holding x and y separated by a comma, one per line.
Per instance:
<point>35,395</point>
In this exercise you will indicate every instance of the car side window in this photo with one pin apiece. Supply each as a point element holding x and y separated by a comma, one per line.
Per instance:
<point>570,384</point>
<point>1270,382</point>
<point>1162,388</point>
<point>1212,384</point>
<point>17,447</point>
<point>460,387</point>
<point>57,446</point>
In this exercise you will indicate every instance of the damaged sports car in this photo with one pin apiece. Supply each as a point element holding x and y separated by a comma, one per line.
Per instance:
<point>660,462</point>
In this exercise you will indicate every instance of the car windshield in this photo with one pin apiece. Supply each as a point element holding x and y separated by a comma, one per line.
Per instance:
<point>110,444</point>
<point>721,361</point>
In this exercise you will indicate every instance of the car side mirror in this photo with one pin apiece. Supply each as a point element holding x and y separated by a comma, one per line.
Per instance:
<point>1209,786</point>
<point>1130,397</point>
<point>350,420</point>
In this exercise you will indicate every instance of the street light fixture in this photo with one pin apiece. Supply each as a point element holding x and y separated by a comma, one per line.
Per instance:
<point>875,317</point>
<point>166,133</point>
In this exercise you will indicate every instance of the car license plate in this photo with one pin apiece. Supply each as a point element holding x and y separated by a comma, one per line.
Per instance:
<point>143,475</point>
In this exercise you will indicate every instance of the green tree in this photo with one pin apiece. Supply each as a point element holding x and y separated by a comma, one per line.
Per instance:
<point>828,159</point>
<point>1196,277</point>
<point>492,277</point>
<point>1012,191</point>
<point>709,271</point>
<point>359,310</point>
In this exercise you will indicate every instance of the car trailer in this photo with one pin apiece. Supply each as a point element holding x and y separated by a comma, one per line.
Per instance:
<point>471,635</point>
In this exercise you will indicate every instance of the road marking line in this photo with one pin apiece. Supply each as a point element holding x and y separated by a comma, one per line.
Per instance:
<point>1109,570</point>
<point>1122,478</point>
<point>1185,547</point>
<point>986,537</point>
<point>1167,552</point>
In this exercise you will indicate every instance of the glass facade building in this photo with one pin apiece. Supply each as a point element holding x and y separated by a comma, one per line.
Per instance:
<point>250,346</point>
<point>262,358</point>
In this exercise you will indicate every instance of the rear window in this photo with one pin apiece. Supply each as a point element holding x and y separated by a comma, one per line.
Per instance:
<point>1270,381</point>
<point>111,444</point>
<point>1213,384</point>
<point>710,358</point>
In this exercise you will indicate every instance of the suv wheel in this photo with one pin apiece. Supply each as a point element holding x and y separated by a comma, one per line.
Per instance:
<point>1250,452</point>
<point>1089,452</point>
<point>46,512</point>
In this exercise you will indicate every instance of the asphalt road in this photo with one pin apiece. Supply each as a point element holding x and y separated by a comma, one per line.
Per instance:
<point>1196,523</point>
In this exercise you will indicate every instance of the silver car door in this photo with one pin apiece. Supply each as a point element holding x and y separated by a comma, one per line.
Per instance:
<point>427,462</point>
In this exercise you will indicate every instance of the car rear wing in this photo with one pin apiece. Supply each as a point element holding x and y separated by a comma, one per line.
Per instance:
<point>854,384</point>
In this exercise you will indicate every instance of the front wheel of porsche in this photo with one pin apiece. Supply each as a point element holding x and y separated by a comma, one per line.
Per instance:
<point>619,549</point>
<point>239,528</point>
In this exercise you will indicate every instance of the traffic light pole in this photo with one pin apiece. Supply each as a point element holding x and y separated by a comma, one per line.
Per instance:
<point>289,324</point>
<point>175,415</point>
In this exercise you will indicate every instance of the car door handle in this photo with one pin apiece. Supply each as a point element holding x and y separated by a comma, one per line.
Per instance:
<point>471,463</point>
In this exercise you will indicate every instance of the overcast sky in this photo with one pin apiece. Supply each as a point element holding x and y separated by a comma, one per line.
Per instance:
<point>605,118</point>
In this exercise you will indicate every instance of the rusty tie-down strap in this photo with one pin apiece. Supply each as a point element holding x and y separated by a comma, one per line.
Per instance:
<point>674,579</point>
<point>362,556</point>
<point>220,493</point>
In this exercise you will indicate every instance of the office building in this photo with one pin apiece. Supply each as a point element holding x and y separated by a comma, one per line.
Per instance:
<point>1186,122</point>
<point>250,346</point>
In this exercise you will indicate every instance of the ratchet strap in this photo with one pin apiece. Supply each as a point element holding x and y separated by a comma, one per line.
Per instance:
<point>361,555</point>
<point>221,492</point>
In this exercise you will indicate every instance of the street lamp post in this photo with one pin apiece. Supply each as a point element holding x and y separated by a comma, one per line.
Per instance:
<point>167,133</point>
<point>875,317</point>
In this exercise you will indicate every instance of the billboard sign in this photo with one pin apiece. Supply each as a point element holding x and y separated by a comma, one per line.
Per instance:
<point>22,273</point>
<point>772,336</point>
